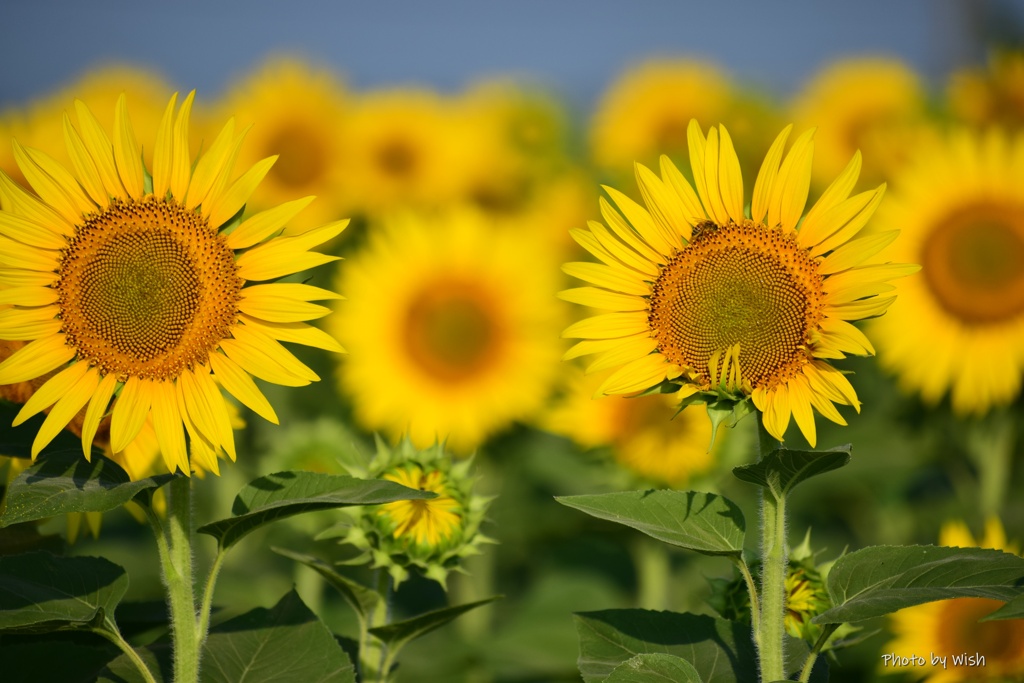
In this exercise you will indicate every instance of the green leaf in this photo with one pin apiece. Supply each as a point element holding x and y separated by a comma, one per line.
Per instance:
<point>704,522</point>
<point>1014,609</point>
<point>65,481</point>
<point>720,651</point>
<point>30,658</point>
<point>654,668</point>
<point>285,643</point>
<point>158,658</point>
<point>882,579</point>
<point>363,600</point>
<point>285,494</point>
<point>44,592</point>
<point>398,634</point>
<point>783,469</point>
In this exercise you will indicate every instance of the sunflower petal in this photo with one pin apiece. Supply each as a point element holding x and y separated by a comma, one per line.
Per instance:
<point>627,234</point>
<point>855,252</point>
<point>800,404</point>
<point>130,412</point>
<point>845,225</point>
<point>66,408</point>
<point>231,201</point>
<point>663,206</point>
<point>836,193</point>
<point>730,178</point>
<point>29,296</point>
<point>641,221</point>
<point>96,410</point>
<point>29,232</point>
<point>602,298</point>
<point>590,346</point>
<point>66,197</point>
<point>20,202</point>
<point>621,251</point>
<point>83,164</point>
<point>789,193</point>
<point>609,326</point>
<point>296,333</point>
<point>697,146</point>
<point>615,279</point>
<point>776,417</point>
<point>589,241</point>
<point>36,358</point>
<point>169,430</point>
<point>181,168</point>
<point>642,373</point>
<point>626,352</point>
<point>711,178</point>
<point>262,225</point>
<point>100,150</point>
<point>50,392</point>
<point>766,177</point>
<point>127,154</point>
<point>693,210</point>
<point>163,151</point>
<point>240,385</point>
<point>210,165</point>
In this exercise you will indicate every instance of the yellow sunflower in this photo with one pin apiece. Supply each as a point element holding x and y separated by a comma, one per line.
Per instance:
<point>425,523</point>
<point>127,284</point>
<point>40,123</point>
<point>951,628</point>
<point>407,148</point>
<point>960,326</point>
<point>452,328</point>
<point>647,110</point>
<point>715,300</point>
<point>870,104</point>
<point>301,117</point>
<point>990,96</point>
<point>645,434</point>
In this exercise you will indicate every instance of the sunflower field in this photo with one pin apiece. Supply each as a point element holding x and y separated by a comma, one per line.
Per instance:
<point>703,379</point>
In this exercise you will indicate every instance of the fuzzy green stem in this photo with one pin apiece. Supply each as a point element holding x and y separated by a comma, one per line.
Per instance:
<point>177,571</point>
<point>770,637</point>
<point>826,633</point>
<point>653,568</point>
<point>207,605</point>
<point>373,656</point>
<point>755,603</point>
<point>114,636</point>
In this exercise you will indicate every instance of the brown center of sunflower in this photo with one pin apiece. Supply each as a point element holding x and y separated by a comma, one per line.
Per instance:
<point>451,331</point>
<point>397,158</point>
<point>147,289</point>
<point>974,264</point>
<point>960,631</point>
<point>738,284</point>
<point>301,157</point>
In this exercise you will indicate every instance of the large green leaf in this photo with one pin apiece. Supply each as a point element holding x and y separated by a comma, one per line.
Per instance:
<point>783,469</point>
<point>158,658</point>
<point>882,579</point>
<point>32,658</point>
<point>282,644</point>
<point>64,481</point>
<point>44,592</point>
<point>704,522</point>
<point>654,668</point>
<point>362,599</point>
<point>720,651</point>
<point>398,634</point>
<point>284,494</point>
<point>1014,609</point>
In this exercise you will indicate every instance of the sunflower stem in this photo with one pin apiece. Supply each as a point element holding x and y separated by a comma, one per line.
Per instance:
<point>373,656</point>
<point>207,604</point>
<point>826,633</point>
<point>771,632</point>
<point>991,444</point>
<point>653,568</point>
<point>177,571</point>
<point>115,637</point>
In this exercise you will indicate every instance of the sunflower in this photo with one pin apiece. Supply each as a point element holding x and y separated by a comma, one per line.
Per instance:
<point>714,300</point>
<point>871,104</point>
<point>301,116</point>
<point>425,523</point>
<point>990,96</point>
<point>451,326</point>
<point>130,287</point>
<point>951,627</point>
<point>645,434</point>
<point>960,205</point>
<point>645,112</point>
<point>408,148</point>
